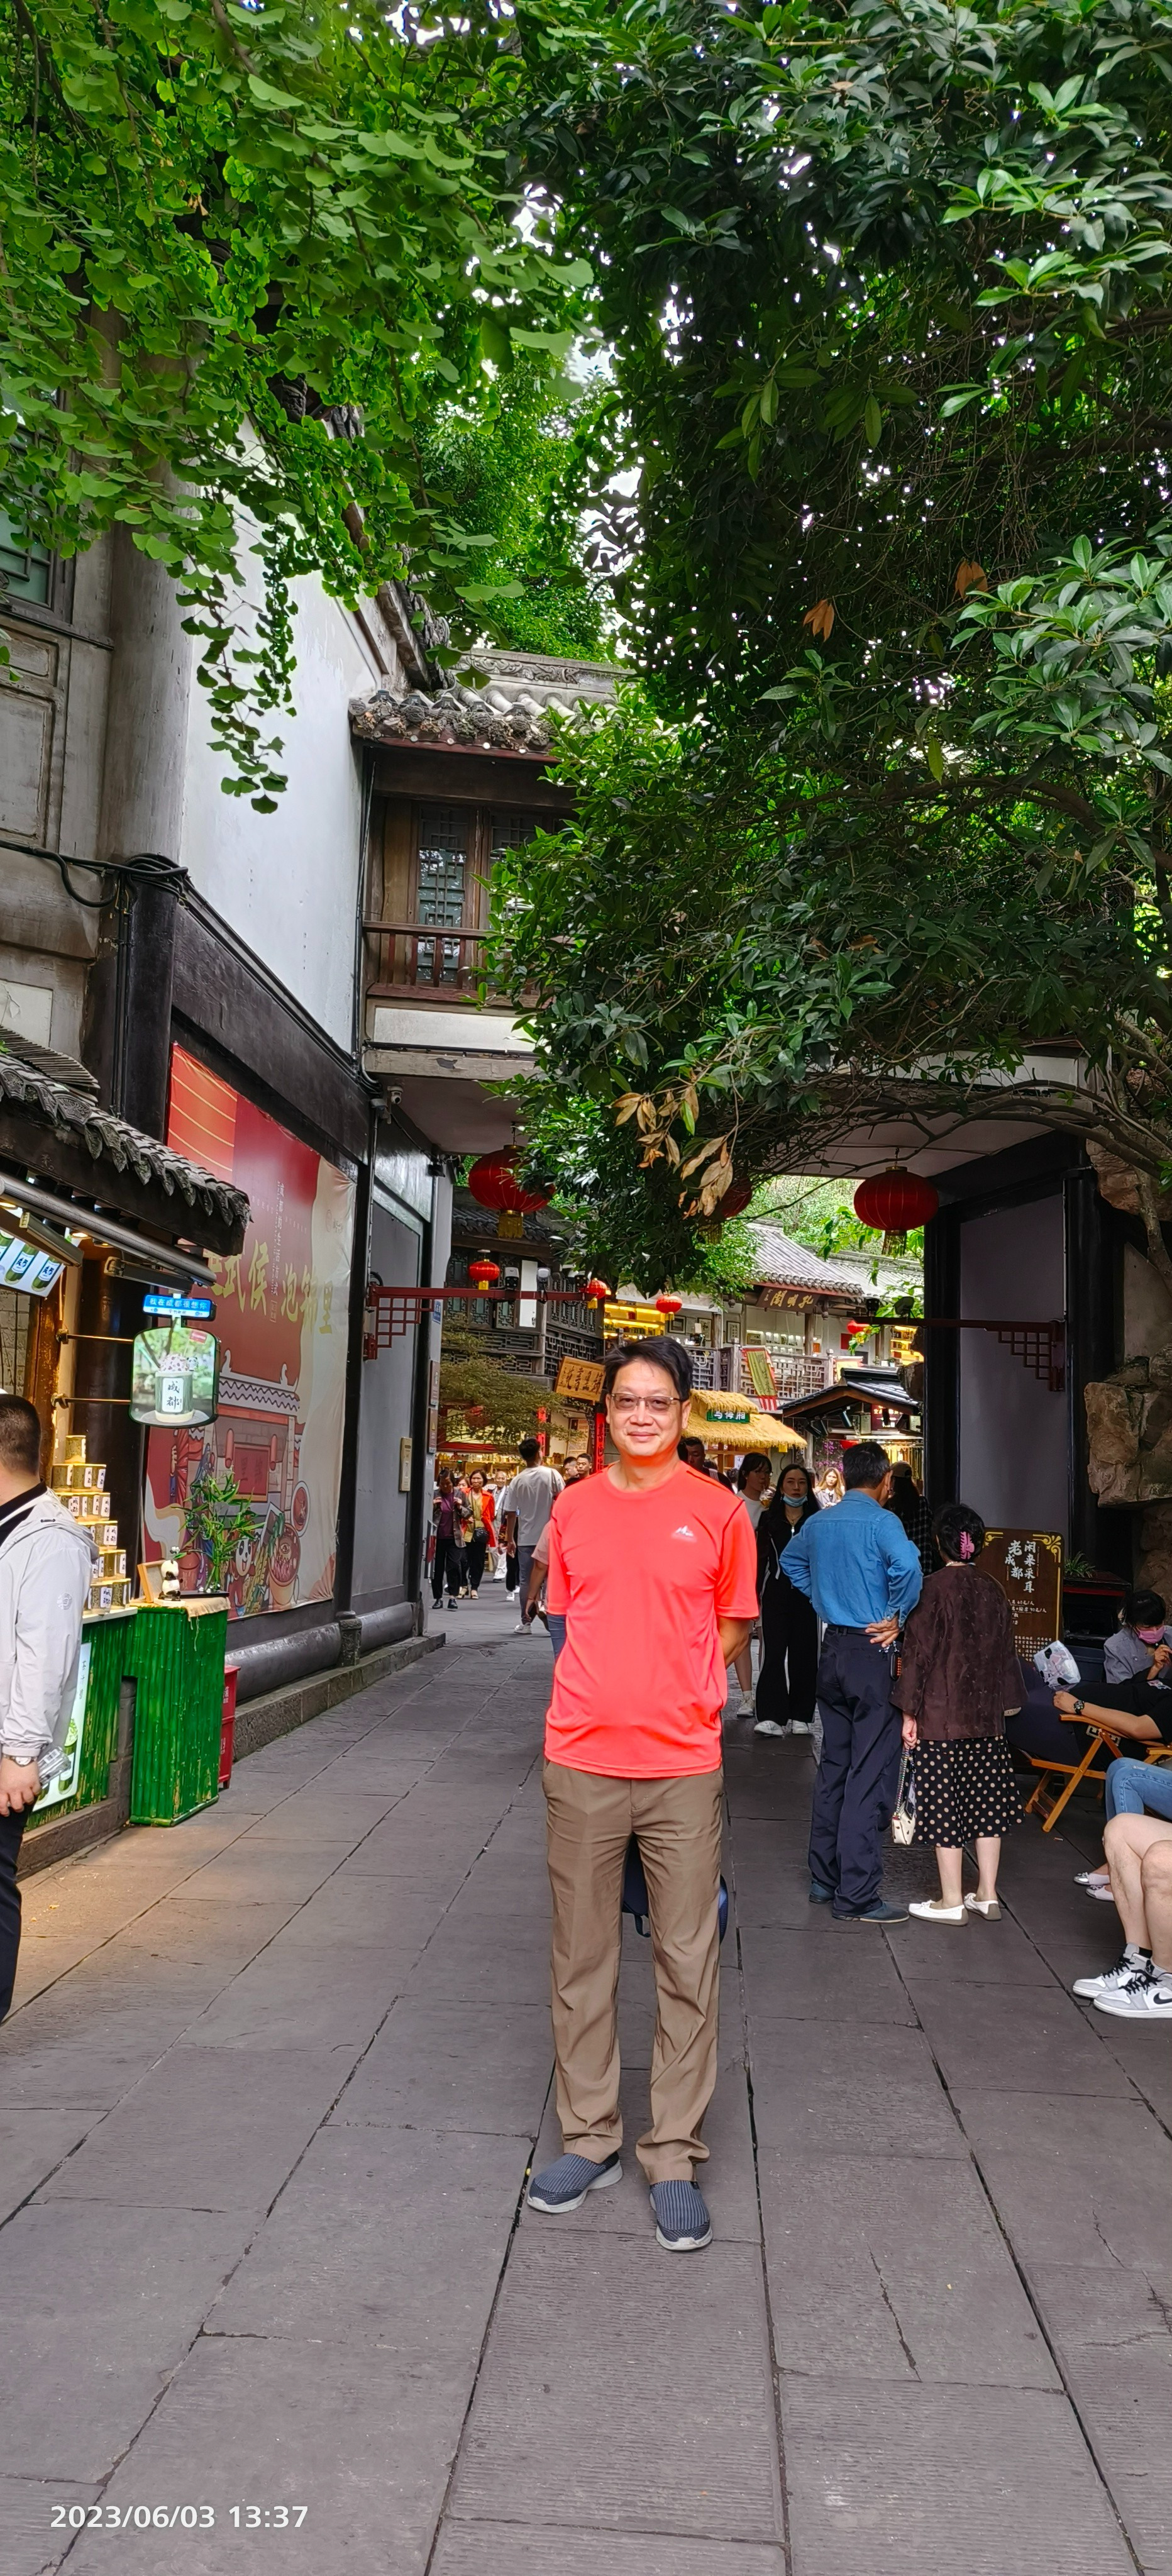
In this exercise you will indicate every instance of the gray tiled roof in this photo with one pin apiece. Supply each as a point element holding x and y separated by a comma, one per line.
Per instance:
<point>78,1116</point>
<point>507,714</point>
<point>782,1263</point>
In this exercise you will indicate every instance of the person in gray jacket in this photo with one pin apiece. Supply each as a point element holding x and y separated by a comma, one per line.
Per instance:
<point>46,1562</point>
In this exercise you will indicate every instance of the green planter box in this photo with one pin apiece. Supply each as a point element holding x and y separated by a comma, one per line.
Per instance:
<point>179,1669</point>
<point>107,1655</point>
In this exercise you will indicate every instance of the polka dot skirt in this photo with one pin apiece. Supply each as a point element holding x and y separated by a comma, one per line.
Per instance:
<point>965,1789</point>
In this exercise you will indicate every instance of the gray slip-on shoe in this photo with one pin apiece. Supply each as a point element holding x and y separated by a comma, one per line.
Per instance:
<point>682,2223</point>
<point>563,2186</point>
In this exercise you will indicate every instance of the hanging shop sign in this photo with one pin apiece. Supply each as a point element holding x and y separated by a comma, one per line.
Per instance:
<point>186,1310</point>
<point>621,1318</point>
<point>23,1266</point>
<point>581,1379</point>
<point>1028,1566</point>
<point>249,1504</point>
<point>175,1376</point>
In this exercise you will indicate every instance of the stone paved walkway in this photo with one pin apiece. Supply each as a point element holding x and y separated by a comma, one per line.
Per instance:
<point>266,2111</point>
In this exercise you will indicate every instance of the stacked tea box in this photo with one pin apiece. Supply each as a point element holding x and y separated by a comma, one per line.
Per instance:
<point>80,1483</point>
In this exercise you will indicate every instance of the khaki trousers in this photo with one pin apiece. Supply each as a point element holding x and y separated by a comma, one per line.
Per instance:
<point>590,1821</point>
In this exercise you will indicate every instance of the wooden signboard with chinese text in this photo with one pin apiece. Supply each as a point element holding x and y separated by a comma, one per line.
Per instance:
<point>1028,1566</point>
<point>581,1380</point>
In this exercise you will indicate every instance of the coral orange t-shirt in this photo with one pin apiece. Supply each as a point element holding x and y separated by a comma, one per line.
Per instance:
<point>642,1579</point>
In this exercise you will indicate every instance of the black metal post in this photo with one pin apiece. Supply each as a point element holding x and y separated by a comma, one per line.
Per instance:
<point>942,1358</point>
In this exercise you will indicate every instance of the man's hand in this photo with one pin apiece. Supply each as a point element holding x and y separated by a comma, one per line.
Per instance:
<point>883,1632</point>
<point>20,1785</point>
<point>1162,1656</point>
<point>911,1732</point>
<point>1065,1703</point>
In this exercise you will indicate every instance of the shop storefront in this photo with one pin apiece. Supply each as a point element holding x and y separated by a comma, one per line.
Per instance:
<point>95,1218</point>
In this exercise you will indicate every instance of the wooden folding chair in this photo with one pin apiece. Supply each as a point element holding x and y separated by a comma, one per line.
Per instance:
<point>1101,1736</point>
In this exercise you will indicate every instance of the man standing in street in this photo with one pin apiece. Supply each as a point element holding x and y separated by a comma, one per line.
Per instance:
<point>45,1566</point>
<point>860,1570</point>
<point>654,1569</point>
<point>532,1496</point>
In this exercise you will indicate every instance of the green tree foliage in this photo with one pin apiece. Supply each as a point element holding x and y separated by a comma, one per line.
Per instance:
<point>887,294</point>
<point>471,1380</point>
<point>244,253</point>
<point>515,469</point>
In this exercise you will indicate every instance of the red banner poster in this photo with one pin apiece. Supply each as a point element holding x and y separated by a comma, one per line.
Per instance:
<point>249,1505</point>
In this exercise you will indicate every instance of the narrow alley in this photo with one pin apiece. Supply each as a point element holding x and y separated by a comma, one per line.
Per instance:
<point>269,2097</point>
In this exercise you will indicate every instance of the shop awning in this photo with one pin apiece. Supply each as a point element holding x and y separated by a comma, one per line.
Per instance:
<point>72,1162</point>
<point>732,1422</point>
<point>855,1387</point>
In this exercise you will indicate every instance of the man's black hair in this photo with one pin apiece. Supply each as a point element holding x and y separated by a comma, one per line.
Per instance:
<point>662,1351</point>
<point>1142,1610</point>
<point>20,1435</point>
<point>528,1449</point>
<point>865,1464</point>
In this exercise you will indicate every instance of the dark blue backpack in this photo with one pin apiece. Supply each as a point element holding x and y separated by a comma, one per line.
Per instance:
<point>635,1898</point>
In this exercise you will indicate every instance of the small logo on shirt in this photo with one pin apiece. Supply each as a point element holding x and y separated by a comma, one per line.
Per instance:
<point>683,1531</point>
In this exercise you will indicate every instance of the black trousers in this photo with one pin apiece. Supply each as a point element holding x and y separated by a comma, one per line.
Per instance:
<point>787,1681</point>
<point>11,1830</point>
<point>477,1551</point>
<point>854,1794</point>
<point>449,1565</point>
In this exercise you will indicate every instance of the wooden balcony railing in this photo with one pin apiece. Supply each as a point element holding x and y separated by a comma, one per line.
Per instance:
<point>410,957</point>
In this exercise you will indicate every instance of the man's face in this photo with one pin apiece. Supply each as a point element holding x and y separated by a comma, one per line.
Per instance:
<point>695,1455</point>
<point>644,1412</point>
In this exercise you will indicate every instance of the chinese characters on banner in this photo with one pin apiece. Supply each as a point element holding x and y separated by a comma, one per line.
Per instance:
<point>1028,1566</point>
<point>249,1505</point>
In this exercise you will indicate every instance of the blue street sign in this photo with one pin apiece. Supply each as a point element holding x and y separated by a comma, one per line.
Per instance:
<point>168,1301</point>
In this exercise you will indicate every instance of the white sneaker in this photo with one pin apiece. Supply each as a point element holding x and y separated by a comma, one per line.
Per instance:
<point>934,1910</point>
<point>1097,1877</point>
<point>768,1726</point>
<point>747,1705</point>
<point>798,1726</point>
<point>1111,1979</point>
<point>524,1628</point>
<point>1147,1996</point>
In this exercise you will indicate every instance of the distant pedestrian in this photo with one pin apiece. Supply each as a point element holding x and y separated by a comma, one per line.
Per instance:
<point>46,1563</point>
<point>829,1487</point>
<point>914,1514</point>
<point>787,1681</point>
<point>651,1565</point>
<point>449,1520</point>
<point>692,1453</point>
<point>958,1682</point>
<point>863,1576</point>
<point>531,1498</point>
<point>481,1531</point>
<point>752,1481</point>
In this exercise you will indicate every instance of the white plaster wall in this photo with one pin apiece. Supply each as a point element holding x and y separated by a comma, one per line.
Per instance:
<point>288,883</point>
<point>1012,1430</point>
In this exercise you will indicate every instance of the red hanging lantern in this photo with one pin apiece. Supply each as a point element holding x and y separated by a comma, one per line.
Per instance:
<point>669,1306</point>
<point>596,1292</point>
<point>735,1200</point>
<point>483,1273</point>
<point>893,1202</point>
<point>494,1184</point>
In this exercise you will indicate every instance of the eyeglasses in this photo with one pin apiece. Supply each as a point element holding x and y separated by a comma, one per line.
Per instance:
<point>658,1406</point>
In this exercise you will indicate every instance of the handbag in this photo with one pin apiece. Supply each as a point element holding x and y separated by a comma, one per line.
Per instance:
<point>903,1819</point>
<point>636,1901</point>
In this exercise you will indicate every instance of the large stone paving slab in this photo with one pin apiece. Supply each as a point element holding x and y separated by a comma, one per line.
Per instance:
<point>814,1975</point>
<point>33,2142</point>
<point>894,2268</point>
<point>1016,2040</point>
<point>205,2130</point>
<point>471,2067</point>
<point>574,2424</point>
<point>98,2305</point>
<point>363,2442</point>
<point>1083,2182</point>
<point>392,2238</point>
<point>916,2481</point>
<point>852,2088</point>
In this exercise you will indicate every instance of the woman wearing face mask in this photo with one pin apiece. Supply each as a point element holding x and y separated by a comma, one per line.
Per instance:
<point>789,1628</point>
